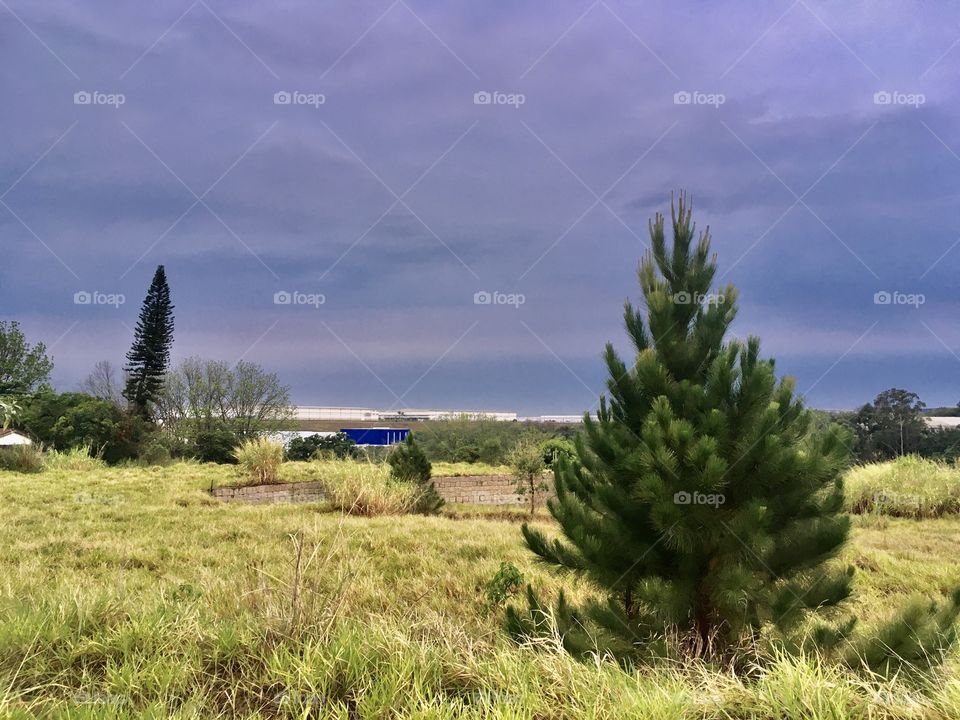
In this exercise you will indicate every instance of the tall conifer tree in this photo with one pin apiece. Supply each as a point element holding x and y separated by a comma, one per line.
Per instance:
<point>700,503</point>
<point>149,357</point>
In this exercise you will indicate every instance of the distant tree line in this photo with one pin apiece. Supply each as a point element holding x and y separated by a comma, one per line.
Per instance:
<point>894,424</point>
<point>149,411</point>
<point>469,440</point>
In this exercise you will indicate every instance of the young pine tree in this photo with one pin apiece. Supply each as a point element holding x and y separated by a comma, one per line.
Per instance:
<point>149,356</point>
<point>408,463</point>
<point>700,504</point>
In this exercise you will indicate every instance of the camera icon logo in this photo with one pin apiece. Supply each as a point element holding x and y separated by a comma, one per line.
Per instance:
<point>882,97</point>
<point>282,97</point>
<point>82,97</point>
<point>882,298</point>
<point>682,98</point>
<point>682,498</point>
<point>482,298</point>
<point>282,298</point>
<point>82,298</point>
<point>482,98</point>
<point>683,298</point>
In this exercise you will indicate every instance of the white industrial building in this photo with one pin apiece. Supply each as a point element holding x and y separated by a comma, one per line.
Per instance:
<point>942,422</point>
<point>314,412</point>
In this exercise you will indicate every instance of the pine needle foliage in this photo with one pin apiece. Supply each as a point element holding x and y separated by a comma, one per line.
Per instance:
<point>702,505</point>
<point>149,356</point>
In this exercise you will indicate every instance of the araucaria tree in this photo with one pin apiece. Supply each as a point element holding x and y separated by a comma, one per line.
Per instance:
<point>149,356</point>
<point>701,505</point>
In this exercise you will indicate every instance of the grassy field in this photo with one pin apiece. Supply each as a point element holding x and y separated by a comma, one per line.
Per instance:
<point>130,592</point>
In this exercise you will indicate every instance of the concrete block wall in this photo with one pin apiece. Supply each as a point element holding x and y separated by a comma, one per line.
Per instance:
<point>470,489</point>
<point>482,490</point>
<point>304,492</point>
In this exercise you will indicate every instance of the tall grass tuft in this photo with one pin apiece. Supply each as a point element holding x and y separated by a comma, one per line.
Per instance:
<point>260,460</point>
<point>21,458</point>
<point>909,486</point>
<point>76,459</point>
<point>359,489</point>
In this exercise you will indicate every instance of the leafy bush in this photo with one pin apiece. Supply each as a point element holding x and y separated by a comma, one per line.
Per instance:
<point>339,446</point>
<point>303,448</point>
<point>507,581</point>
<point>156,453</point>
<point>66,420</point>
<point>215,446</point>
<point>260,459</point>
<point>556,448</point>
<point>21,458</point>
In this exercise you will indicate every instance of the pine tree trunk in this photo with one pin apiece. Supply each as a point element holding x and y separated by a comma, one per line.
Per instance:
<point>702,619</point>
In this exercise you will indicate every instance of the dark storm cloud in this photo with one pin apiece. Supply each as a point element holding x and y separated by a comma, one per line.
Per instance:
<point>398,198</point>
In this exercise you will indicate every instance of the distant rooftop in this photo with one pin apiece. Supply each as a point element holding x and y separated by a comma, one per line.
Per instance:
<point>317,412</point>
<point>942,422</point>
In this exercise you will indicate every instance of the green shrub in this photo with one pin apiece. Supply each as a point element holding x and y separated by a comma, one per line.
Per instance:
<point>21,458</point>
<point>337,446</point>
<point>155,453</point>
<point>556,448</point>
<point>65,420</point>
<point>216,446</point>
<point>260,459</point>
<point>303,448</point>
<point>507,581</point>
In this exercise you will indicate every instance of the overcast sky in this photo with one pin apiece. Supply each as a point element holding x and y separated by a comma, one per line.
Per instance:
<point>392,158</point>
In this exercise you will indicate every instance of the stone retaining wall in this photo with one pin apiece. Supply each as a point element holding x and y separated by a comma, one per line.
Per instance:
<point>469,489</point>
<point>483,490</point>
<point>300,492</point>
